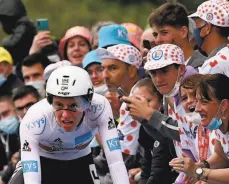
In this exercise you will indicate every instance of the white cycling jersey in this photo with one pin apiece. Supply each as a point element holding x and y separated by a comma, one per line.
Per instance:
<point>42,136</point>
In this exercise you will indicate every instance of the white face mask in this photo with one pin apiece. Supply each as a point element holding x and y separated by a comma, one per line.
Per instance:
<point>101,89</point>
<point>176,87</point>
<point>39,85</point>
<point>174,91</point>
<point>193,117</point>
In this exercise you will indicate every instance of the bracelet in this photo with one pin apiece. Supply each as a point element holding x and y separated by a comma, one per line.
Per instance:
<point>206,164</point>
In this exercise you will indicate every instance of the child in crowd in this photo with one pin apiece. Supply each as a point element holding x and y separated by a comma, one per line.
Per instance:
<point>154,146</point>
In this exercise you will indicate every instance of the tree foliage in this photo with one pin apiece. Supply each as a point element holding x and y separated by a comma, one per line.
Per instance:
<point>65,14</point>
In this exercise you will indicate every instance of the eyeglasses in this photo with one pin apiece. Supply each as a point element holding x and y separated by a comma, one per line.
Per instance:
<point>26,106</point>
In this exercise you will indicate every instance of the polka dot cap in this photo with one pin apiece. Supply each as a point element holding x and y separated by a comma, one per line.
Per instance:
<point>164,55</point>
<point>122,52</point>
<point>215,12</point>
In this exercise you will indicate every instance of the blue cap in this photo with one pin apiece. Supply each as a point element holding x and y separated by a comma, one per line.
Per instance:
<point>112,35</point>
<point>89,58</point>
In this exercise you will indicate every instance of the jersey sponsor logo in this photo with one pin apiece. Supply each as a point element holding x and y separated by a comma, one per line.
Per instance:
<point>56,148</point>
<point>96,110</point>
<point>83,138</point>
<point>95,107</point>
<point>57,142</point>
<point>37,126</point>
<point>111,124</point>
<point>120,135</point>
<point>113,144</point>
<point>30,166</point>
<point>26,146</point>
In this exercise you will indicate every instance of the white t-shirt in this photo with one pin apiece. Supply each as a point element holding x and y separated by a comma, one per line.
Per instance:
<point>217,64</point>
<point>42,136</point>
<point>224,140</point>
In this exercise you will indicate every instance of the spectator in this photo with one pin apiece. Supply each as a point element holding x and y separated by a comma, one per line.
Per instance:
<point>92,64</point>
<point>165,64</point>
<point>8,81</point>
<point>158,150</point>
<point>23,98</point>
<point>75,45</point>
<point>134,34</point>
<point>147,35</point>
<point>44,44</point>
<point>120,71</point>
<point>33,68</point>
<point>211,26</point>
<point>15,22</point>
<point>112,35</point>
<point>212,105</point>
<point>170,25</point>
<point>9,126</point>
<point>94,32</point>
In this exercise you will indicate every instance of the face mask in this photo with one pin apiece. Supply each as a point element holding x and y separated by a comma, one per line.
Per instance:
<point>215,123</point>
<point>196,33</point>
<point>39,85</point>
<point>174,91</point>
<point>193,117</point>
<point>176,87</point>
<point>9,125</point>
<point>101,89</point>
<point>2,79</point>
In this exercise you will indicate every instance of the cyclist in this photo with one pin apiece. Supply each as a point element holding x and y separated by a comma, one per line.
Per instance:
<point>58,129</point>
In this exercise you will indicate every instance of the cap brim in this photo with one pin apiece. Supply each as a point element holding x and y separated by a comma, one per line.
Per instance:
<point>152,65</point>
<point>104,54</point>
<point>110,42</point>
<point>155,66</point>
<point>194,15</point>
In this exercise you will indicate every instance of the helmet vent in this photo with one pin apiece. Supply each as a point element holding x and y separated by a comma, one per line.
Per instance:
<point>73,82</point>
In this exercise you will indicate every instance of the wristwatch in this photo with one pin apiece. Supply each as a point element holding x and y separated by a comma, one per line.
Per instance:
<point>199,172</point>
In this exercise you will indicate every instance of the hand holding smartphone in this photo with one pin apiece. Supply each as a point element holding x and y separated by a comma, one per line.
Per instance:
<point>146,44</point>
<point>121,92</point>
<point>42,24</point>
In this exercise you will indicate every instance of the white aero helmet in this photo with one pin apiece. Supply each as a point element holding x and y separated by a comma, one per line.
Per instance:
<point>70,81</point>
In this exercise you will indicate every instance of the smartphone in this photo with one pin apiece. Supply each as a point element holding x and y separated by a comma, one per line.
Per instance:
<point>189,153</point>
<point>121,92</point>
<point>42,25</point>
<point>146,44</point>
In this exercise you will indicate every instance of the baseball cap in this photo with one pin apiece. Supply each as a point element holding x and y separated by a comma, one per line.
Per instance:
<point>125,53</point>
<point>164,55</point>
<point>215,12</point>
<point>5,56</point>
<point>134,33</point>
<point>112,35</point>
<point>91,57</point>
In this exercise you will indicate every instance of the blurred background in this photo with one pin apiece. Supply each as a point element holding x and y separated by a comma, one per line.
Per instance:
<point>65,14</point>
